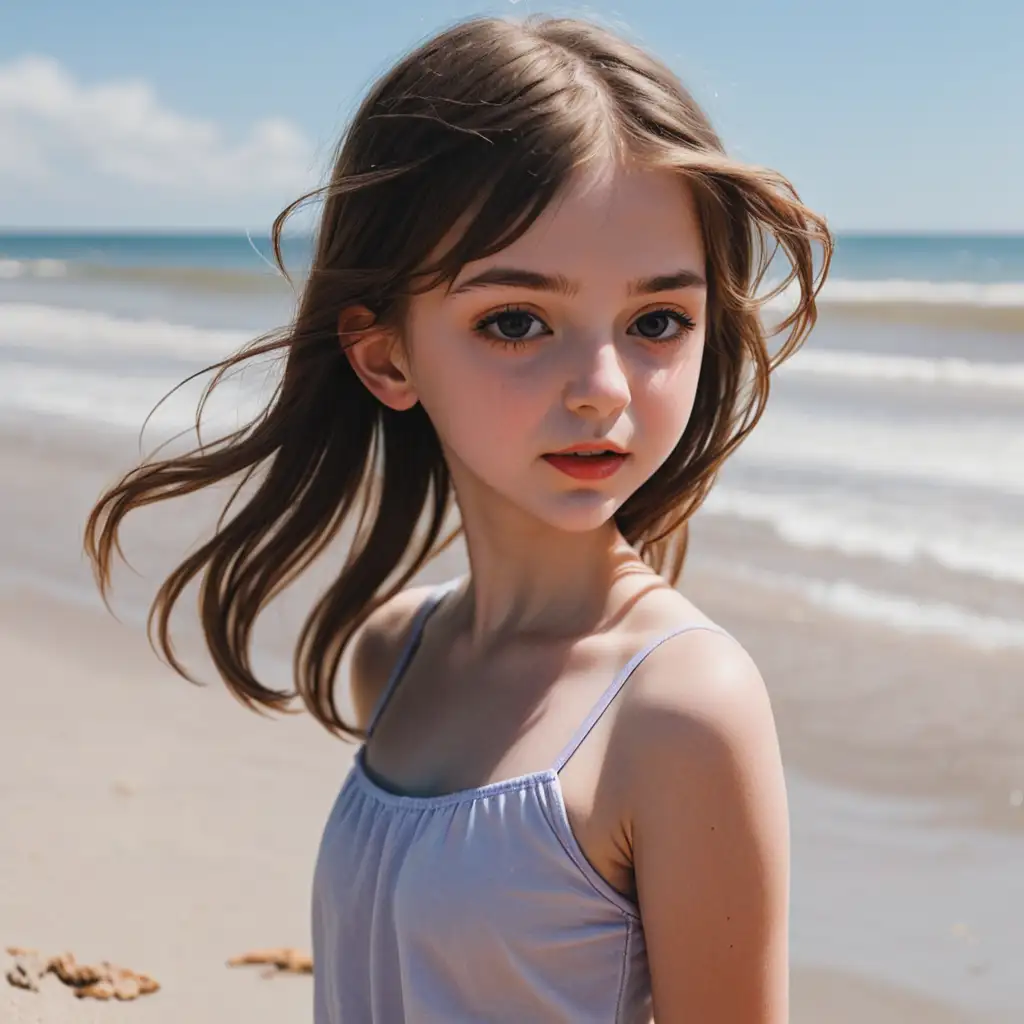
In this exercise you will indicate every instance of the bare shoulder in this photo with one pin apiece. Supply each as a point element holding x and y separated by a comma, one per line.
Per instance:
<point>377,646</point>
<point>697,708</point>
<point>708,823</point>
<point>699,677</point>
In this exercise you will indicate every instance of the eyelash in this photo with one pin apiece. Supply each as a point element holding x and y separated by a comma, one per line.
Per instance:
<point>492,318</point>
<point>683,320</point>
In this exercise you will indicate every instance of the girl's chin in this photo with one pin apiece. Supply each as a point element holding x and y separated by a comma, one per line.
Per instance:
<point>581,509</point>
<point>579,512</point>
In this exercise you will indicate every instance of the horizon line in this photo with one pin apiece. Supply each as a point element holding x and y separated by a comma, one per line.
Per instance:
<point>235,232</point>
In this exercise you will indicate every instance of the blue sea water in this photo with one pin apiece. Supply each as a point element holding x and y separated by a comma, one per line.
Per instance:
<point>977,259</point>
<point>237,252</point>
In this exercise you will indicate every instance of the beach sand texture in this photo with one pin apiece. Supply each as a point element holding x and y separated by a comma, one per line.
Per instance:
<point>878,580</point>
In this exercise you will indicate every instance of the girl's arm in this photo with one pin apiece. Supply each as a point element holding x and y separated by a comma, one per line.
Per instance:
<point>710,833</point>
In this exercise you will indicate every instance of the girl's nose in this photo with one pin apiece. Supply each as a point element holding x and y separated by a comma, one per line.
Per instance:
<point>598,386</point>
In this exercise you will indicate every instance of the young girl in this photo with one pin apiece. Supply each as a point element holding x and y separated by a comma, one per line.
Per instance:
<point>532,292</point>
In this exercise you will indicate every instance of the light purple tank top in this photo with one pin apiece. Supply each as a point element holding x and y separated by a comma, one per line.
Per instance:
<point>477,905</point>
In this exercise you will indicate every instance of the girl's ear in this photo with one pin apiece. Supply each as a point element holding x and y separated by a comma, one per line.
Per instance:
<point>376,355</point>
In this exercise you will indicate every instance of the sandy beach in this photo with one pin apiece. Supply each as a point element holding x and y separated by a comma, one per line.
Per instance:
<point>159,826</point>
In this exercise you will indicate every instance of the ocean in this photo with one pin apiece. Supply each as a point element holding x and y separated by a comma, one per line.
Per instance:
<point>886,480</point>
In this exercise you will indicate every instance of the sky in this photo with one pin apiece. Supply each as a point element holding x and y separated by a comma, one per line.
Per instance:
<point>887,115</point>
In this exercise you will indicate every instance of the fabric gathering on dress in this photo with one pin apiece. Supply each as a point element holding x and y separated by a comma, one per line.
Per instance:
<point>477,905</point>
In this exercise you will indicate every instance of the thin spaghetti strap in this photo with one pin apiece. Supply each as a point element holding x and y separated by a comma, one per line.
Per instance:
<point>617,684</point>
<point>419,621</point>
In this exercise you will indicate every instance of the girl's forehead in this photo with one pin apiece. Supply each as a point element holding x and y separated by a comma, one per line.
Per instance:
<point>628,225</point>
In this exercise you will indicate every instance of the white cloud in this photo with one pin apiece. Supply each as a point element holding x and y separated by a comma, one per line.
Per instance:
<point>54,127</point>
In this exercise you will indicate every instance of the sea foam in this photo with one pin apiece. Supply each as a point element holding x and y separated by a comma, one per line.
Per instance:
<point>153,358</point>
<point>948,372</point>
<point>895,611</point>
<point>871,529</point>
<point>32,268</point>
<point>56,329</point>
<point>893,291</point>
<point>986,454</point>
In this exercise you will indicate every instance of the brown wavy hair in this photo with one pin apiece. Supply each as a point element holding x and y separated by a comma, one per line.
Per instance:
<point>492,116</point>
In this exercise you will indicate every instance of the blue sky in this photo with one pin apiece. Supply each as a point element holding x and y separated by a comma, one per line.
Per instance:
<point>898,115</point>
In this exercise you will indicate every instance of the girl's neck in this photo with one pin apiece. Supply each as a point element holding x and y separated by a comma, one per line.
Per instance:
<point>529,579</point>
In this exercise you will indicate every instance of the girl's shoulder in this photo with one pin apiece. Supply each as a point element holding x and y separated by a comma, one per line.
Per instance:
<point>700,670</point>
<point>696,703</point>
<point>377,647</point>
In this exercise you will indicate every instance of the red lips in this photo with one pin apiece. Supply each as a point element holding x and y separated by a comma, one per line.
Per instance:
<point>594,460</point>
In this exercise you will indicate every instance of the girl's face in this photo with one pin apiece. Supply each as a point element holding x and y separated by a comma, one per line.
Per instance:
<point>586,334</point>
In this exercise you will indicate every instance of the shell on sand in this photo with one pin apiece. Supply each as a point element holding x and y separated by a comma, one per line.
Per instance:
<point>89,981</point>
<point>292,961</point>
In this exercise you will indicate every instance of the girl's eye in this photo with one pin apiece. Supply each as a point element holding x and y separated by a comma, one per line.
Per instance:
<point>662,325</point>
<point>512,326</point>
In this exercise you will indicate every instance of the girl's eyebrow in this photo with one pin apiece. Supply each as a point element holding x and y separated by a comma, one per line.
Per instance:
<point>513,277</point>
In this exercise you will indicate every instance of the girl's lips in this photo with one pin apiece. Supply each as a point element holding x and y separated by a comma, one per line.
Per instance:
<point>587,467</point>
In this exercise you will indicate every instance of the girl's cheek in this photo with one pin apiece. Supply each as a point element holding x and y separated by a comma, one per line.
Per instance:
<point>667,406</point>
